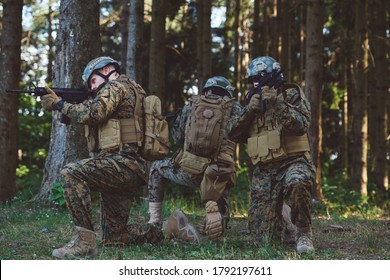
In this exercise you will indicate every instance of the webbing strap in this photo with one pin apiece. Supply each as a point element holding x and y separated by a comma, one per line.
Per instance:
<point>138,114</point>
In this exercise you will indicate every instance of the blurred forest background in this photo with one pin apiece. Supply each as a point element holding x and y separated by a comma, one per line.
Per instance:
<point>338,51</point>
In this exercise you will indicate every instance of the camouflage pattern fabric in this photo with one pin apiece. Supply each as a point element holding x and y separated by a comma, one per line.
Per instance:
<point>116,99</point>
<point>289,180</point>
<point>116,175</point>
<point>291,112</point>
<point>272,184</point>
<point>135,234</point>
<point>163,171</point>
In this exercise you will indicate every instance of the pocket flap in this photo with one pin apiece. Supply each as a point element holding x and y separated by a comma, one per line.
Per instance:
<point>273,139</point>
<point>262,143</point>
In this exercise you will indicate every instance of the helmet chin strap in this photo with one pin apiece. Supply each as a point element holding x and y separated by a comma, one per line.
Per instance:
<point>105,77</point>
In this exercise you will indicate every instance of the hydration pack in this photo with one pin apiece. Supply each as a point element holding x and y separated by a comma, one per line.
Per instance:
<point>206,125</point>
<point>156,136</point>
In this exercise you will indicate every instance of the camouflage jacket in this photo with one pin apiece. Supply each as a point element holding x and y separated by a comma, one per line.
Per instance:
<point>179,126</point>
<point>291,110</point>
<point>116,99</point>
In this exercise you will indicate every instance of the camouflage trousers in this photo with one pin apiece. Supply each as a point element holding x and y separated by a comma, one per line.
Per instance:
<point>116,178</point>
<point>272,185</point>
<point>161,172</point>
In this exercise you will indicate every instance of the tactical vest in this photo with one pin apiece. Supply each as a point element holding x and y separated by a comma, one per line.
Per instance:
<point>268,142</point>
<point>115,133</point>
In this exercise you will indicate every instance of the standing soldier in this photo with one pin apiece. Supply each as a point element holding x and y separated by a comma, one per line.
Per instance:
<point>275,124</point>
<point>206,160</point>
<point>116,170</point>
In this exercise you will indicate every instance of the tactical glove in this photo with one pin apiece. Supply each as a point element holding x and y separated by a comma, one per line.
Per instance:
<point>255,103</point>
<point>269,94</point>
<point>50,100</point>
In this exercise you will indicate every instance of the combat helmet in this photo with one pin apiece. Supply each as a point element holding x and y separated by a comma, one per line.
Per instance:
<point>266,70</point>
<point>96,64</point>
<point>219,82</point>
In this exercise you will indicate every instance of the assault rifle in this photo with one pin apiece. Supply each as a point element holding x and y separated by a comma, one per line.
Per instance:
<point>273,79</point>
<point>70,95</point>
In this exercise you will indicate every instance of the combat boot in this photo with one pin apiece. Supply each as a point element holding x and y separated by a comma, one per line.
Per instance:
<point>213,221</point>
<point>304,244</point>
<point>155,210</point>
<point>83,244</point>
<point>178,226</point>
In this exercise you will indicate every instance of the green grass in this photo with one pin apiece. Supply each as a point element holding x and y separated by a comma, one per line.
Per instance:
<point>343,228</point>
<point>30,230</point>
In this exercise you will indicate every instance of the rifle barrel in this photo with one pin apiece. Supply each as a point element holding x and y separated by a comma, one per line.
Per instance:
<point>39,91</point>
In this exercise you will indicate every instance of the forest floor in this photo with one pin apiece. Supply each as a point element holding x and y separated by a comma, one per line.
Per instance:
<point>30,230</point>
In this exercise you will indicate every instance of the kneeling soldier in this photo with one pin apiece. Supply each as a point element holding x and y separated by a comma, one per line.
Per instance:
<point>116,171</point>
<point>206,159</point>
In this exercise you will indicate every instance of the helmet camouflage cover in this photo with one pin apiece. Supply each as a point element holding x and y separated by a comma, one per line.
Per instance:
<point>262,64</point>
<point>219,82</point>
<point>96,64</point>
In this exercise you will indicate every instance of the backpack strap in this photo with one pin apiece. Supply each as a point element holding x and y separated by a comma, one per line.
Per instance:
<point>139,122</point>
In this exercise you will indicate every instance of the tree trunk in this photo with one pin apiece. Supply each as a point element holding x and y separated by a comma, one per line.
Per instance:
<point>50,43</point>
<point>157,50</point>
<point>285,33</point>
<point>266,44</point>
<point>199,40</point>
<point>206,43</point>
<point>246,36</point>
<point>237,65</point>
<point>227,37</point>
<point>78,41</point>
<point>360,125</point>
<point>275,31</point>
<point>313,83</point>
<point>256,30</point>
<point>135,43</point>
<point>124,25</point>
<point>10,72</point>
<point>342,85</point>
<point>378,94</point>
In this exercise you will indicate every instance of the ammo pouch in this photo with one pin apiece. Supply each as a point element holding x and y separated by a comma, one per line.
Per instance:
<point>193,164</point>
<point>226,152</point>
<point>270,145</point>
<point>266,146</point>
<point>216,180</point>
<point>109,135</point>
<point>116,132</point>
<point>176,157</point>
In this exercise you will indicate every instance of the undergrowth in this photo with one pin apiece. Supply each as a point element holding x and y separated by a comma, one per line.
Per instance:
<point>344,227</point>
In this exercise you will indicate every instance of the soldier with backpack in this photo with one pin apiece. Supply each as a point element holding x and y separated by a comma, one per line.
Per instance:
<point>114,129</point>
<point>275,123</point>
<point>206,160</point>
